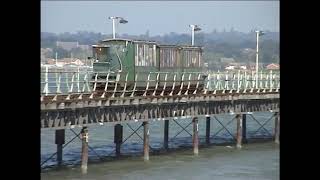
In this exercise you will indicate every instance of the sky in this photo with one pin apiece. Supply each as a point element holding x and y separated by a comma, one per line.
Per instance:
<point>158,17</point>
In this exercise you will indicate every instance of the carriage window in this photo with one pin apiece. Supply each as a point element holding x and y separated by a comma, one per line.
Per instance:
<point>100,53</point>
<point>168,57</point>
<point>145,55</point>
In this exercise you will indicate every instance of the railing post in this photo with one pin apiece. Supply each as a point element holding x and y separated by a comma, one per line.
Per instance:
<point>157,84</point>
<point>46,87</point>
<point>165,84</point>
<point>197,85</point>
<point>189,82</point>
<point>147,87</point>
<point>78,80</point>
<point>106,86</point>
<point>59,83</point>
<point>207,84</point>
<point>135,85</point>
<point>253,81</point>
<point>238,82</point>
<point>181,86</point>
<point>271,78</point>
<point>173,85</point>
<point>125,85</point>
<point>116,84</point>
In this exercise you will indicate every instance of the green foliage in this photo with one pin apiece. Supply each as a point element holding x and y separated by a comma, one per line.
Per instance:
<point>62,53</point>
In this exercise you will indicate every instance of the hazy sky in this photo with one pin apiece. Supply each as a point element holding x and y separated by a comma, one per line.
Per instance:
<point>159,17</point>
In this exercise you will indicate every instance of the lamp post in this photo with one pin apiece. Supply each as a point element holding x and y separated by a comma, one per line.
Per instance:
<point>258,34</point>
<point>193,29</point>
<point>121,20</point>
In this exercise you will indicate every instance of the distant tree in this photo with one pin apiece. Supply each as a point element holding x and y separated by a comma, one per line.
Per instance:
<point>62,53</point>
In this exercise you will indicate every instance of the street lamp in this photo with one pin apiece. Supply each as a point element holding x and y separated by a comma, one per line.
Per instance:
<point>193,29</point>
<point>258,34</point>
<point>122,21</point>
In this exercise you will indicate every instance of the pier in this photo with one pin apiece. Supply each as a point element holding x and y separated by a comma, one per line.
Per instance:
<point>72,100</point>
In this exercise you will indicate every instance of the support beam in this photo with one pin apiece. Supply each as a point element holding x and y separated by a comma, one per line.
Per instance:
<point>146,140</point>
<point>239,130</point>
<point>84,153</point>
<point>60,140</point>
<point>118,132</point>
<point>195,138</point>
<point>277,128</point>
<point>166,134</point>
<point>208,130</point>
<point>244,128</point>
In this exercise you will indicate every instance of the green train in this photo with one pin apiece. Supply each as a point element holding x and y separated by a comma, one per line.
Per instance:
<point>139,61</point>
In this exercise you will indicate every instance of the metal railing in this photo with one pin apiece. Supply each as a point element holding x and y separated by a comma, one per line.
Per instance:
<point>62,82</point>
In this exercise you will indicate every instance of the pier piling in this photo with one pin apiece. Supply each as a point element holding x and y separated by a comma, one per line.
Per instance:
<point>146,140</point>
<point>118,132</point>
<point>166,134</point>
<point>84,153</point>
<point>277,128</point>
<point>244,128</point>
<point>208,130</point>
<point>60,140</point>
<point>195,138</point>
<point>239,130</point>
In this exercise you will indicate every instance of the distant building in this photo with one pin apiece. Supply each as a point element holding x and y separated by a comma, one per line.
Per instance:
<point>273,66</point>
<point>51,61</point>
<point>243,67</point>
<point>236,66</point>
<point>77,62</point>
<point>66,60</point>
<point>230,68</point>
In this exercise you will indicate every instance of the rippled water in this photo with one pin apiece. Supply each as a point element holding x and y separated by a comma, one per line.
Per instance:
<point>253,161</point>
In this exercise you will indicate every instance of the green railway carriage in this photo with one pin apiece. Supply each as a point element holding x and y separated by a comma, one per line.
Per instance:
<point>142,60</point>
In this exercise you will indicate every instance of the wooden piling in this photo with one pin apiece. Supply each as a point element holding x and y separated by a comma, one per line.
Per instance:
<point>59,140</point>
<point>195,138</point>
<point>244,128</point>
<point>166,134</point>
<point>208,130</point>
<point>118,132</point>
<point>239,130</point>
<point>84,153</point>
<point>146,140</point>
<point>277,128</point>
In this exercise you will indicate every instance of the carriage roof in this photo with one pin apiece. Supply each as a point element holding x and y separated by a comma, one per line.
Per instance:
<point>186,47</point>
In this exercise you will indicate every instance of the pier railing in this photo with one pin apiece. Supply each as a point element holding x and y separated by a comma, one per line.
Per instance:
<point>62,82</point>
